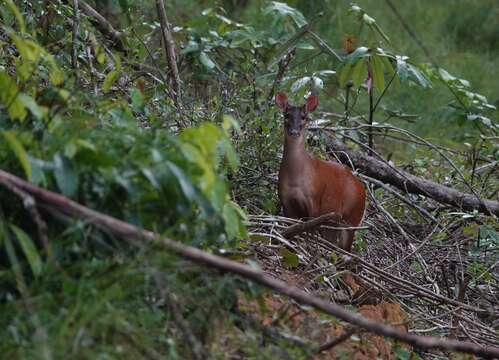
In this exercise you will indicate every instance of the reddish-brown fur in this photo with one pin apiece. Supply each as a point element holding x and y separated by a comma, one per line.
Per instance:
<point>308,186</point>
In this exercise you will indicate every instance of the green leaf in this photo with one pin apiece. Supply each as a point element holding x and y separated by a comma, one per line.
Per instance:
<point>112,76</point>
<point>378,73</point>
<point>109,80</point>
<point>206,61</point>
<point>137,99</point>
<point>190,192</point>
<point>56,76</point>
<point>284,10</point>
<point>125,6</point>
<point>445,76</point>
<point>359,73</point>
<point>39,112</point>
<point>10,97</point>
<point>380,31</point>
<point>402,69</point>
<point>232,221</point>
<point>228,122</point>
<point>367,19</point>
<point>402,353</point>
<point>18,149</point>
<point>419,75</point>
<point>230,154</point>
<point>258,237</point>
<point>290,259</point>
<point>149,175</point>
<point>345,74</point>
<point>29,250</point>
<point>11,255</point>
<point>357,54</point>
<point>388,65</point>
<point>334,257</point>
<point>19,19</point>
<point>65,176</point>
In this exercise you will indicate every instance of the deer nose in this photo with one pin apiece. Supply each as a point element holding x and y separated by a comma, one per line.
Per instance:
<point>294,133</point>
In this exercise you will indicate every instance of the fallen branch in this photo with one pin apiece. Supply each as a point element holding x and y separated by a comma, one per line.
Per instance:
<point>130,232</point>
<point>296,229</point>
<point>103,25</point>
<point>409,183</point>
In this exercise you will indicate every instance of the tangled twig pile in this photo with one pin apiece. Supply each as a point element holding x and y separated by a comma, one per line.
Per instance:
<point>400,262</point>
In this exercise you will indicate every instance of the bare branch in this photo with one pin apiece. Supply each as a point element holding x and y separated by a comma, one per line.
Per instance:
<point>296,229</point>
<point>74,42</point>
<point>103,25</point>
<point>171,55</point>
<point>282,67</point>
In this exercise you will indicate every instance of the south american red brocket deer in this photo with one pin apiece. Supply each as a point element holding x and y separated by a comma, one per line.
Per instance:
<point>310,187</point>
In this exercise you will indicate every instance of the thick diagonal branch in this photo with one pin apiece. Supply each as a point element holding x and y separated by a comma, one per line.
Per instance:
<point>130,232</point>
<point>103,25</point>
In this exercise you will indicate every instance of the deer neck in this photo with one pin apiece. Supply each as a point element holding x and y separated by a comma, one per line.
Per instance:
<point>295,157</point>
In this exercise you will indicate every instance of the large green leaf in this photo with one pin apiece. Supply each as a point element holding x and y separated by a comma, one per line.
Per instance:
<point>283,10</point>
<point>39,112</point>
<point>189,190</point>
<point>232,220</point>
<point>19,19</point>
<point>29,250</point>
<point>206,60</point>
<point>289,258</point>
<point>9,95</point>
<point>357,54</point>
<point>378,73</point>
<point>65,175</point>
<point>345,74</point>
<point>18,149</point>
<point>112,76</point>
<point>359,73</point>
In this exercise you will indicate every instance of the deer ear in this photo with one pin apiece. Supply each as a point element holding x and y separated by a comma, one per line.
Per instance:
<point>281,101</point>
<point>312,103</point>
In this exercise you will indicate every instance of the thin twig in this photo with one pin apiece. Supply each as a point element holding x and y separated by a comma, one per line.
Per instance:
<point>74,42</point>
<point>282,67</point>
<point>401,197</point>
